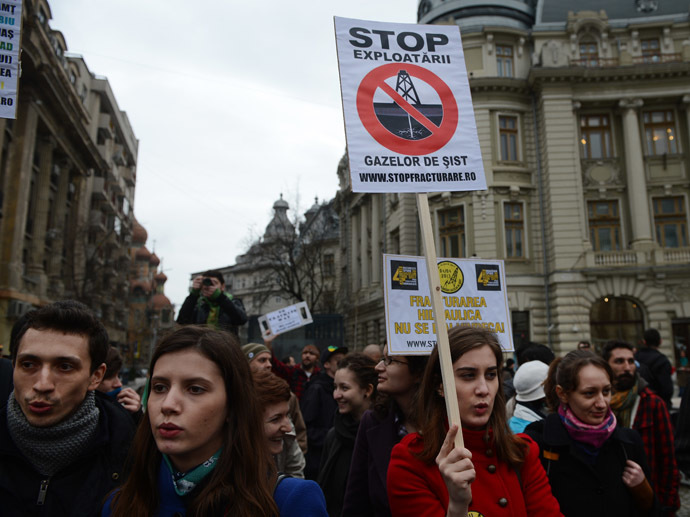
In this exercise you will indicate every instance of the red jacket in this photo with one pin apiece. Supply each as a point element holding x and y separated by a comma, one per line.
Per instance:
<point>416,488</point>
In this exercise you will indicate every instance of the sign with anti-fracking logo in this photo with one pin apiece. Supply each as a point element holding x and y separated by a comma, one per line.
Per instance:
<point>10,24</point>
<point>409,120</point>
<point>474,294</point>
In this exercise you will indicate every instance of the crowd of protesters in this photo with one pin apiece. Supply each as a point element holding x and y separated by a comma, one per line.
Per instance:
<point>225,429</point>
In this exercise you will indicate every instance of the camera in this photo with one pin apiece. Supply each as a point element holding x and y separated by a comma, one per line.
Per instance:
<point>206,281</point>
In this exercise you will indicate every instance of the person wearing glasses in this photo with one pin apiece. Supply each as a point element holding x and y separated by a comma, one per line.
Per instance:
<point>318,407</point>
<point>391,418</point>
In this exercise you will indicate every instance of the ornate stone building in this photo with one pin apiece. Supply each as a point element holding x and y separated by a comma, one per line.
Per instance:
<point>583,113</point>
<point>67,178</point>
<point>150,310</point>
<point>290,263</point>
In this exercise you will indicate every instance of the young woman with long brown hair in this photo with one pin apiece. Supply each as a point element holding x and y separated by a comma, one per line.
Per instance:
<point>496,473</point>
<point>355,388</point>
<point>200,448</point>
<point>595,467</point>
<point>391,418</point>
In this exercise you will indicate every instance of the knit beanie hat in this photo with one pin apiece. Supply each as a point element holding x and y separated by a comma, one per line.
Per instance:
<point>251,350</point>
<point>529,381</point>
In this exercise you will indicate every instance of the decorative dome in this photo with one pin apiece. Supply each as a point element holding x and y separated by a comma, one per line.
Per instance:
<point>314,208</point>
<point>154,259</point>
<point>142,254</point>
<point>139,233</point>
<point>472,15</point>
<point>280,226</point>
<point>144,286</point>
<point>160,301</point>
<point>281,204</point>
<point>161,278</point>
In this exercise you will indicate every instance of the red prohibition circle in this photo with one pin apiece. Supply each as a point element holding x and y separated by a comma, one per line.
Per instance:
<point>440,135</point>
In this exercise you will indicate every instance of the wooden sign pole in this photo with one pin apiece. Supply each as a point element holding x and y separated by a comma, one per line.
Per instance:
<point>439,316</point>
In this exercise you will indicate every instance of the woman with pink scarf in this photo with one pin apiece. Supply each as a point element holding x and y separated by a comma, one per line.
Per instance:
<point>595,467</point>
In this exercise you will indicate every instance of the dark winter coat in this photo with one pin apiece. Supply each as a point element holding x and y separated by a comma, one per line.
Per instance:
<point>318,409</point>
<point>196,309</point>
<point>580,487</point>
<point>366,495</point>
<point>335,461</point>
<point>659,374</point>
<point>79,489</point>
<point>6,382</point>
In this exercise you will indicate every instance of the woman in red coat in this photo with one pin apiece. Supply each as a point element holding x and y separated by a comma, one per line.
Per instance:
<point>496,474</point>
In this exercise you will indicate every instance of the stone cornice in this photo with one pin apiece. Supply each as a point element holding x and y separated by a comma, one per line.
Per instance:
<point>539,75</point>
<point>499,84</point>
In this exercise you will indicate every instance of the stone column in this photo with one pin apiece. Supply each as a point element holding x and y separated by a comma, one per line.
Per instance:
<point>59,228</point>
<point>364,247</point>
<point>642,237</point>
<point>354,252</point>
<point>686,103</point>
<point>376,258</point>
<point>36,269</point>
<point>16,196</point>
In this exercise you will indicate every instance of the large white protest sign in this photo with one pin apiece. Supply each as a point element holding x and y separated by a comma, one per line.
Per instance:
<point>409,121</point>
<point>10,24</point>
<point>287,318</point>
<point>474,294</point>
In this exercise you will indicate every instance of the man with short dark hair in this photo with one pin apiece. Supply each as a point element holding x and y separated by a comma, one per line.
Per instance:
<point>658,371</point>
<point>62,446</point>
<point>637,407</point>
<point>112,386</point>
<point>209,304</point>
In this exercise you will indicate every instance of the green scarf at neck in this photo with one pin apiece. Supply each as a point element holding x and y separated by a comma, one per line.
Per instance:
<point>622,403</point>
<point>185,482</point>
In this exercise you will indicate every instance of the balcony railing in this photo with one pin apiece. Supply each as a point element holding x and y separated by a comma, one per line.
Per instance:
<point>632,258</point>
<point>615,258</point>
<point>599,62</point>
<point>675,255</point>
<point>658,58</point>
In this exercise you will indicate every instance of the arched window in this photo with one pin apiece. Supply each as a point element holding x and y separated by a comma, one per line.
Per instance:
<point>614,317</point>
<point>589,53</point>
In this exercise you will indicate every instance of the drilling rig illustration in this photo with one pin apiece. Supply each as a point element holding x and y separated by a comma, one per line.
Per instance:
<point>401,123</point>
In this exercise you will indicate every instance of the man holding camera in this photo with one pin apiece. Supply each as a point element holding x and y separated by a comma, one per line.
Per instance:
<point>209,304</point>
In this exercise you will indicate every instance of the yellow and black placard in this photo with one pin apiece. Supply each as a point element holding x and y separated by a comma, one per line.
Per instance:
<point>451,276</point>
<point>488,277</point>
<point>404,275</point>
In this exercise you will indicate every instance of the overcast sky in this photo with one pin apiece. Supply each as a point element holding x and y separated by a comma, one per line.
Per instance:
<point>233,104</point>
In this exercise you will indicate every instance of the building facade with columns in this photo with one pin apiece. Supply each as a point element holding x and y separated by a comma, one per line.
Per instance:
<point>583,120</point>
<point>296,259</point>
<point>67,180</point>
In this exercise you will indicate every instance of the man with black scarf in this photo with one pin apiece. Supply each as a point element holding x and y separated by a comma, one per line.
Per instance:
<point>62,445</point>
<point>639,408</point>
